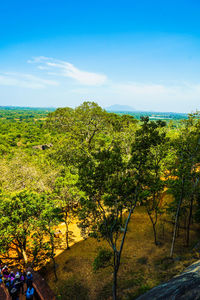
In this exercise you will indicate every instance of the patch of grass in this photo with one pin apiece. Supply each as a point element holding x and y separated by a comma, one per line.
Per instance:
<point>102,260</point>
<point>72,290</point>
<point>141,290</point>
<point>164,263</point>
<point>105,292</point>
<point>127,283</point>
<point>142,260</point>
<point>143,265</point>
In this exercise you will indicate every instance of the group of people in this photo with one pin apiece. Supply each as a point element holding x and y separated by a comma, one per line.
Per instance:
<point>15,281</point>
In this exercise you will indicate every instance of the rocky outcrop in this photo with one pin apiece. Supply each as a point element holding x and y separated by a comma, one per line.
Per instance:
<point>185,286</point>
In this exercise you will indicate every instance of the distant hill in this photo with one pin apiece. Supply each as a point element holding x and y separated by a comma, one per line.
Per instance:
<point>118,107</point>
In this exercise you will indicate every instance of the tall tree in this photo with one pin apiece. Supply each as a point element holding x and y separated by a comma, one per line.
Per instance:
<point>19,213</point>
<point>85,128</point>
<point>27,224</point>
<point>111,196</point>
<point>148,153</point>
<point>184,175</point>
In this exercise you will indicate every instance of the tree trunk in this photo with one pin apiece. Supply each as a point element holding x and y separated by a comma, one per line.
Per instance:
<point>154,227</point>
<point>115,284</point>
<point>155,234</point>
<point>19,253</point>
<point>117,254</point>
<point>67,230</point>
<point>176,219</point>
<point>67,234</point>
<point>115,271</point>
<point>54,268</point>
<point>189,221</point>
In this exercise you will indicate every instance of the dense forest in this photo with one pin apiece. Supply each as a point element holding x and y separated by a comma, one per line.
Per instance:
<point>98,169</point>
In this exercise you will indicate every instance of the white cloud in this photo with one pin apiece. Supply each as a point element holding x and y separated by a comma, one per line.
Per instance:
<point>66,69</point>
<point>25,81</point>
<point>157,96</point>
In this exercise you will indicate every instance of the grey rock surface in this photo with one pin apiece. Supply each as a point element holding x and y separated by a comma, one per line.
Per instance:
<point>184,286</point>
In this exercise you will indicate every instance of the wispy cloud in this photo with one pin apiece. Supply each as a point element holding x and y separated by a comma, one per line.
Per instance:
<point>25,81</point>
<point>157,95</point>
<point>66,69</point>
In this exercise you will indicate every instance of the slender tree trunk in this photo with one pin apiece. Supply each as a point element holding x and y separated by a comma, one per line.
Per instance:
<point>115,284</point>
<point>67,230</point>
<point>19,253</point>
<point>115,271</point>
<point>22,253</point>
<point>67,235</point>
<point>54,268</point>
<point>176,220</point>
<point>189,221</point>
<point>117,254</point>
<point>154,227</point>
<point>155,234</point>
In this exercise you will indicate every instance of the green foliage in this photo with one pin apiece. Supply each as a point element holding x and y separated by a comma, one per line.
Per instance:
<point>103,259</point>
<point>149,151</point>
<point>26,219</point>
<point>100,166</point>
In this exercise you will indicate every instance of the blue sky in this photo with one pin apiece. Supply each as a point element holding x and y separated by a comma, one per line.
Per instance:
<point>145,54</point>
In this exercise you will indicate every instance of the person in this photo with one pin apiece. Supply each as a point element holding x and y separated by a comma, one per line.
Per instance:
<point>15,290</point>
<point>29,279</point>
<point>8,284</point>
<point>30,292</point>
<point>22,280</point>
<point>17,281</point>
<point>5,271</point>
<point>11,276</point>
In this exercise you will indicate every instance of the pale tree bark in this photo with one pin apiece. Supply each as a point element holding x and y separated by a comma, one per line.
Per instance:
<point>176,219</point>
